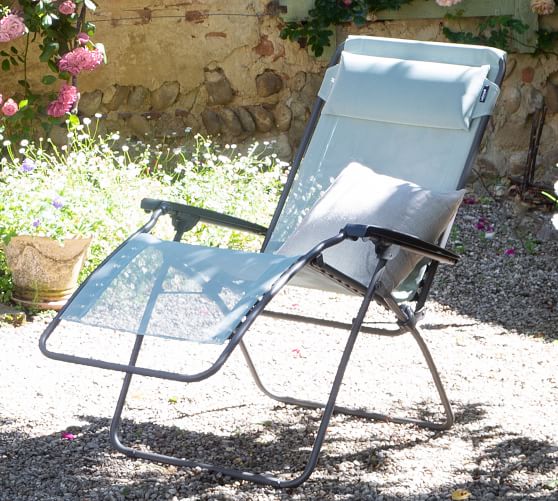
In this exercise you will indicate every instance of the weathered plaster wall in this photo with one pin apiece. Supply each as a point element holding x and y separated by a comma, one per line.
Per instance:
<point>220,67</point>
<point>217,66</point>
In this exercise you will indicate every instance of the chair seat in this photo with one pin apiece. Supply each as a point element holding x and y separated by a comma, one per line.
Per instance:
<point>175,290</point>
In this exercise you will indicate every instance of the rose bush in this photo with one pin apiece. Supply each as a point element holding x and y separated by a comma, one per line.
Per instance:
<point>63,35</point>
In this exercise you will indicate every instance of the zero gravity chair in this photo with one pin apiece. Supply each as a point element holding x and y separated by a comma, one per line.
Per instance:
<point>366,210</point>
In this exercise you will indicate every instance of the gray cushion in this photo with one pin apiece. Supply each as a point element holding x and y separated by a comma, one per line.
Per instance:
<point>419,93</point>
<point>360,196</point>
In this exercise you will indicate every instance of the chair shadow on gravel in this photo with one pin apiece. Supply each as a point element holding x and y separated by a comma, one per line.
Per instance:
<point>469,413</point>
<point>95,471</point>
<point>502,467</point>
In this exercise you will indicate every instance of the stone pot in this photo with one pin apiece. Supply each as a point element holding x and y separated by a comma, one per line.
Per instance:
<point>45,271</point>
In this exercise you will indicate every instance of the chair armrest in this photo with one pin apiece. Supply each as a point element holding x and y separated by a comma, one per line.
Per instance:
<point>403,240</point>
<point>196,214</point>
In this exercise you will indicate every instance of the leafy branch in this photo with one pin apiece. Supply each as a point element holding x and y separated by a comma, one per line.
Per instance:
<point>494,31</point>
<point>316,32</point>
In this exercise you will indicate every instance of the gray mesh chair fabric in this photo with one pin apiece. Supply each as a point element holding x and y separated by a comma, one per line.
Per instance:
<point>175,290</point>
<point>413,112</point>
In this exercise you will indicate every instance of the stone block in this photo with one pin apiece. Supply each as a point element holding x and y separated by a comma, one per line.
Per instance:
<point>211,121</point>
<point>165,96</point>
<point>311,87</point>
<point>282,147</point>
<point>186,100</point>
<point>531,100</point>
<point>295,132</point>
<point>119,98</point>
<point>517,163</point>
<point>298,81</point>
<point>283,116</point>
<point>299,110</point>
<point>168,126</point>
<point>551,97</point>
<point>90,103</point>
<point>139,98</point>
<point>528,74</point>
<point>511,64</point>
<point>262,118</point>
<point>139,126</point>
<point>265,47</point>
<point>219,89</point>
<point>553,78</point>
<point>268,83</point>
<point>231,123</point>
<point>246,120</point>
<point>511,99</point>
<point>58,135</point>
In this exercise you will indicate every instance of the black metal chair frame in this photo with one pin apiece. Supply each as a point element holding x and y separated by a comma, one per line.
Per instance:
<point>386,243</point>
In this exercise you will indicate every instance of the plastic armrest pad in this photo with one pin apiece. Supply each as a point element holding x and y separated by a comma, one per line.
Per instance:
<point>405,241</point>
<point>205,215</point>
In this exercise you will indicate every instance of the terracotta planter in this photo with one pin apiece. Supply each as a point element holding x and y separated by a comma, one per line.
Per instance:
<point>45,271</point>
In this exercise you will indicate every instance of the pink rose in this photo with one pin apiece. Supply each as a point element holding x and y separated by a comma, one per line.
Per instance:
<point>56,109</point>
<point>4,37</point>
<point>68,94</point>
<point>68,63</point>
<point>12,26</point>
<point>1,99</point>
<point>82,38</point>
<point>67,97</point>
<point>95,59</point>
<point>80,59</point>
<point>10,107</point>
<point>67,7</point>
<point>543,7</point>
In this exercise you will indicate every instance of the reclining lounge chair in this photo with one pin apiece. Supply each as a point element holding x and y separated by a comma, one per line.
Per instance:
<point>366,210</point>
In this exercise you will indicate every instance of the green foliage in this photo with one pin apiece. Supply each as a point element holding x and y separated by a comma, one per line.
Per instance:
<point>6,284</point>
<point>530,244</point>
<point>315,31</point>
<point>456,240</point>
<point>94,185</point>
<point>546,42</point>
<point>496,31</point>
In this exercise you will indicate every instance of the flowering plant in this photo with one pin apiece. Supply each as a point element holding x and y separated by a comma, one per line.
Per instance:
<point>63,35</point>
<point>94,185</point>
<point>543,7</point>
<point>73,191</point>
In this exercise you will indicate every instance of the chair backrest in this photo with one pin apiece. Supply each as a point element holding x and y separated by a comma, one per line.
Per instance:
<point>408,109</point>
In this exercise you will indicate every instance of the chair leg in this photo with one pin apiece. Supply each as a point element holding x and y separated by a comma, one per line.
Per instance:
<point>329,408</point>
<point>443,425</point>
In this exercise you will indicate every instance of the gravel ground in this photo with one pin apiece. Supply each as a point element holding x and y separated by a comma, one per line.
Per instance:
<point>492,330</point>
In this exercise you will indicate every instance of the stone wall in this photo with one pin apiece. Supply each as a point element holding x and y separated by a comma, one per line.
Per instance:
<point>220,67</point>
<point>215,66</point>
